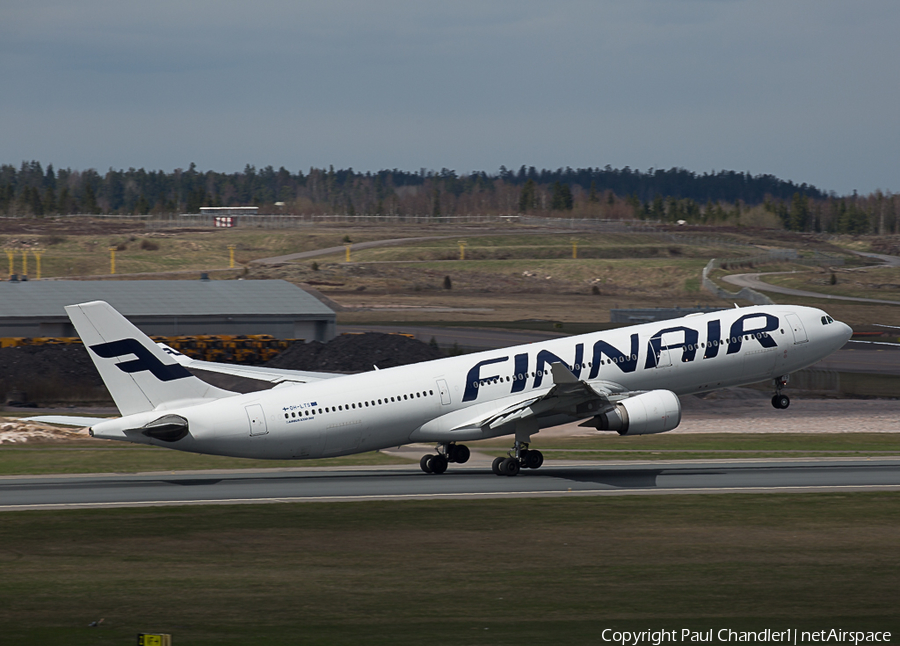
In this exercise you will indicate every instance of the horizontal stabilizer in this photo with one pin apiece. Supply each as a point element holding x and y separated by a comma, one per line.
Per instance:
<point>272,376</point>
<point>65,420</point>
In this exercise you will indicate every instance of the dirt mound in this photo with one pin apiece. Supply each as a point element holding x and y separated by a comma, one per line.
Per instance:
<point>65,373</point>
<point>355,353</point>
<point>49,373</point>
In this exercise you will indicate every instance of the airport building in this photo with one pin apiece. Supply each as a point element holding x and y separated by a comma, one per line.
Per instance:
<point>169,307</point>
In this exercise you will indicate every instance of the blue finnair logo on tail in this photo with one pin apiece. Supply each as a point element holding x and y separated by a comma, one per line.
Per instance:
<point>145,359</point>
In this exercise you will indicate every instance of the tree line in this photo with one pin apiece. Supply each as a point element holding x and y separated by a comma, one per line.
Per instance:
<point>664,195</point>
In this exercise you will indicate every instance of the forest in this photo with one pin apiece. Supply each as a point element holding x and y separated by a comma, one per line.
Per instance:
<point>673,195</point>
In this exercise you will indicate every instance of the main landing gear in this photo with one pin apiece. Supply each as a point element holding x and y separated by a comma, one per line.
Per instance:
<point>446,453</point>
<point>520,457</point>
<point>779,400</point>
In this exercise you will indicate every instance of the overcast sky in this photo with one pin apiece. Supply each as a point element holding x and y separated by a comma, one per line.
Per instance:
<point>807,90</point>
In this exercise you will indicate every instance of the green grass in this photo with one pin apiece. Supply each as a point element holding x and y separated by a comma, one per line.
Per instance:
<point>720,442</point>
<point>543,571</point>
<point>45,459</point>
<point>73,255</point>
<point>94,456</point>
<point>711,446</point>
<point>882,283</point>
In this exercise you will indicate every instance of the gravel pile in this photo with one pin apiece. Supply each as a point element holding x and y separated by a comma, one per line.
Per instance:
<point>355,353</point>
<point>49,373</point>
<point>65,373</point>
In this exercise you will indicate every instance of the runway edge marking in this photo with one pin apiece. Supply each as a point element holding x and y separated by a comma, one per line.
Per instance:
<point>581,493</point>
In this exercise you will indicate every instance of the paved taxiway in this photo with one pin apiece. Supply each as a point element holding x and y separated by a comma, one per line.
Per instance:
<point>556,478</point>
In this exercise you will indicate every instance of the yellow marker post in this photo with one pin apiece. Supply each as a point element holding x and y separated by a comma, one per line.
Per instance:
<point>231,256</point>
<point>348,251</point>
<point>574,249</point>
<point>12,261</point>
<point>462,249</point>
<point>24,262</point>
<point>112,260</point>
<point>37,254</point>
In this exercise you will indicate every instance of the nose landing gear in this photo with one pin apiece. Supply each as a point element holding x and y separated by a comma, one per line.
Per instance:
<point>779,400</point>
<point>520,457</point>
<point>446,453</point>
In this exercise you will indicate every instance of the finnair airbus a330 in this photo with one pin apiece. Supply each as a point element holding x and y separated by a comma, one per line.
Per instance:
<point>626,381</point>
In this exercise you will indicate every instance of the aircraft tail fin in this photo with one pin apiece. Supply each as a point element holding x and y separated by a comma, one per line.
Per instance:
<point>139,375</point>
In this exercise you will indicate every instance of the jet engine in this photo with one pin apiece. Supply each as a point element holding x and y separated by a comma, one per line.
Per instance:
<point>657,411</point>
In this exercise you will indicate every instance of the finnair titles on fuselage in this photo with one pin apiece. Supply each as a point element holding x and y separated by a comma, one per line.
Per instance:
<point>624,380</point>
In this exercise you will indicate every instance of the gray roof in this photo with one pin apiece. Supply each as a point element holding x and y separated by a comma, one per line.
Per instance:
<point>42,298</point>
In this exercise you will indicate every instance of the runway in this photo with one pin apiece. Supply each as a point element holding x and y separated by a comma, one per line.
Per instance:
<point>556,478</point>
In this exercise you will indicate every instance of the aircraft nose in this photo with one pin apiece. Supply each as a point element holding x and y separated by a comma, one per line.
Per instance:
<point>844,331</point>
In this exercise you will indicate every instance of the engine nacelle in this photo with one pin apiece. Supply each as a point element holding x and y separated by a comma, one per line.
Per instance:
<point>655,412</point>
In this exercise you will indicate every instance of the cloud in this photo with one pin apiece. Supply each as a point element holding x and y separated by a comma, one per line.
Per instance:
<point>797,89</point>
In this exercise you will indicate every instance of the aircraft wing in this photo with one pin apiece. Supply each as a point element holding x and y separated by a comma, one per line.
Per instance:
<point>269,377</point>
<point>569,395</point>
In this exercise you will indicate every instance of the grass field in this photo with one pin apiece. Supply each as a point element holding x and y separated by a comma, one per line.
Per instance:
<point>548,571</point>
<point>501,273</point>
<point>708,446</point>
<point>114,457</point>
<point>882,283</point>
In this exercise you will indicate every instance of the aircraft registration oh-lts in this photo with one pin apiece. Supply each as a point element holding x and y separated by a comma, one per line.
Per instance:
<point>626,380</point>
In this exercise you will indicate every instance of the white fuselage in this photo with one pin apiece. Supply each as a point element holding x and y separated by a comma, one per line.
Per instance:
<point>395,406</point>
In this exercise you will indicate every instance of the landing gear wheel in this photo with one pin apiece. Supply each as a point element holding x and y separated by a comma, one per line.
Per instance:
<point>510,467</point>
<point>495,467</point>
<point>460,454</point>
<point>533,459</point>
<point>778,400</point>
<point>438,464</point>
<point>425,463</point>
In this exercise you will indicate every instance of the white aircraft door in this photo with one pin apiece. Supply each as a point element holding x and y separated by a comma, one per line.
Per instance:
<point>664,358</point>
<point>797,328</point>
<point>257,419</point>
<point>445,392</point>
